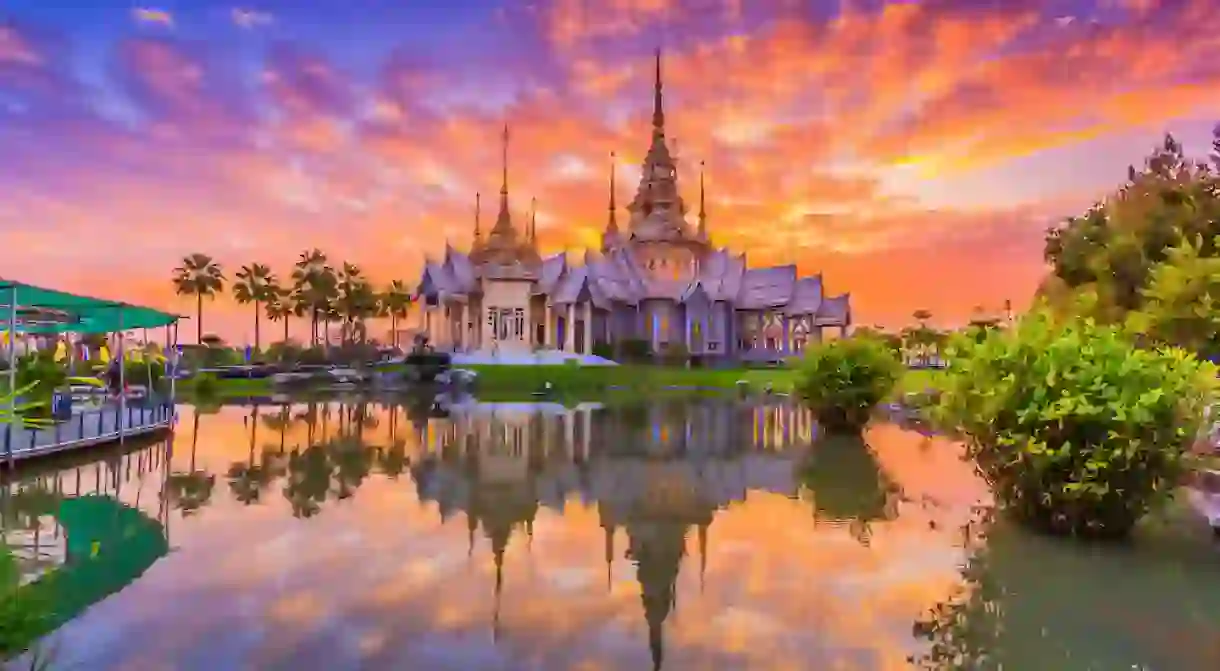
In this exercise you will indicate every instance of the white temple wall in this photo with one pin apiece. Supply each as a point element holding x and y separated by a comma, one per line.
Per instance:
<point>505,320</point>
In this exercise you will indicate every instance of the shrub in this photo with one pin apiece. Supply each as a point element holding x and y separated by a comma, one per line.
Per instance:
<point>635,349</point>
<point>41,373</point>
<point>675,354</point>
<point>1078,431</point>
<point>604,350</point>
<point>843,380</point>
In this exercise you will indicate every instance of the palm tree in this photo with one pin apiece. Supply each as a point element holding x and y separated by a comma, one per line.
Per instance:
<point>395,302</point>
<point>201,277</point>
<point>356,301</point>
<point>255,284</point>
<point>314,286</point>
<point>280,307</point>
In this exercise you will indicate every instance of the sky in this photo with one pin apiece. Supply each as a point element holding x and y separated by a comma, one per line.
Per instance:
<point>912,152</point>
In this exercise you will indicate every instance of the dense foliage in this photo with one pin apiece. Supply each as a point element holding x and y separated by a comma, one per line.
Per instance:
<point>40,374</point>
<point>1182,301</point>
<point>843,380</point>
<point>1111,250</point>
<point>1078,431</point>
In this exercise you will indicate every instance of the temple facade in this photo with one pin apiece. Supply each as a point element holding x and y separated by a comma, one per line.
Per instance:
<point>657,279</point>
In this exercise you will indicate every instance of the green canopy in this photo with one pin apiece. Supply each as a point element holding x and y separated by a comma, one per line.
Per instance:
<point>42,310</point>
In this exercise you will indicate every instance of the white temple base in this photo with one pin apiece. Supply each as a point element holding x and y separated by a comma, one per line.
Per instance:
<point>548,357</point>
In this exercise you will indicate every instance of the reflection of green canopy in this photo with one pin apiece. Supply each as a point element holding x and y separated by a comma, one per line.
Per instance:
<point>49,311</point>
<point>109,545</point>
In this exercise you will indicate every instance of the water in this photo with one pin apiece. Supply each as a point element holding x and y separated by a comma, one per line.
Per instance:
<point>675,535</point>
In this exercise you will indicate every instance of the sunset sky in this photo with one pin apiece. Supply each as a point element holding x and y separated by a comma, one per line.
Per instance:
<point>914,152</point>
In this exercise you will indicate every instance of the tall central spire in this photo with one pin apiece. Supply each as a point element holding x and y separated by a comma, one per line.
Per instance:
<point>504,167</point>
<point>504,225</point>
<point>658,101</point>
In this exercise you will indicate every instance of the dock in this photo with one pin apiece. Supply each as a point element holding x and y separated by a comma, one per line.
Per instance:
<point>108,424</point>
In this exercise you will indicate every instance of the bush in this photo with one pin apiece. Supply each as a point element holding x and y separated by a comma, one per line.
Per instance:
<point>675,354</point>
<point>843,380</point>
<point>604,350</point>
<point>1078,431</point>
<point>635,349</point>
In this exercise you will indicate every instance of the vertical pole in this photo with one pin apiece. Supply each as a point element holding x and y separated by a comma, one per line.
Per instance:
<point>12,371</point>
<point>173,356</point>
<point>122,379</point>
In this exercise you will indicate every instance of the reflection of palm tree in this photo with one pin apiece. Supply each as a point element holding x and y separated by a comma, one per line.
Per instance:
<point>353,462</point>
<point>846,483</point>
<point>279,423</point>
<point>192,490</point>
<point>393,460</point>
<point>308,482</point>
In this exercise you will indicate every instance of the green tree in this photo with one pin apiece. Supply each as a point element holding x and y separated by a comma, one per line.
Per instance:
<point>201,277</point>
<point>843,380</point>
<point>1182,301</point>
<point>280,308</point>
<point>255,285</point>
<point>314,287</point>
<point>395,301</point>
<point>1111,249</point>
<point>355,301</point>
<point>1078,432</point>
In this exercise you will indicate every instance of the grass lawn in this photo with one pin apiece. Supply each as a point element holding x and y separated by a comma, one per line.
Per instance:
<point>519,382</point>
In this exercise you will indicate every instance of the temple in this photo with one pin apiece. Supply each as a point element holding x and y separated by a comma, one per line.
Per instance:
<point>660,280</point>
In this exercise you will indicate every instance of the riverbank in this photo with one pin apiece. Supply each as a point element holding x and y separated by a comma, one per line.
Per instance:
<point>505,382</point>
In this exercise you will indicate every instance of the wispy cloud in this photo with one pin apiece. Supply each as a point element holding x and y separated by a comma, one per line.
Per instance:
<point>883,146</point>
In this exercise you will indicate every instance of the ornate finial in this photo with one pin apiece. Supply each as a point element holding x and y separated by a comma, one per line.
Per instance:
<point>533,233</point>
<point>658,105</point>
<point>702,203</point>
<point>478,207</point>
<point>504,162</point>
<point>613,160</point>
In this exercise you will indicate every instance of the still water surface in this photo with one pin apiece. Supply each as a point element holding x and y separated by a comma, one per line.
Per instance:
<point>678,535</point>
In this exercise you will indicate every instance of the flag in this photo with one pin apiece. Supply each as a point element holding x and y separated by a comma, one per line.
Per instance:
<point>103,353</point>
<point>61,351</point>
<point>84,353</point>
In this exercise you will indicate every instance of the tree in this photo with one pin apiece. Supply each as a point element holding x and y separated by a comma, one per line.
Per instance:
<point>314,287</point>
<point>354,302</point>
<point>922,316</point>
<point>255,284</point>
<point>395,302</point>
<point>280,308</point>
<point>1182,302</point>
<point>201,277</point>
<point>1111,249</point>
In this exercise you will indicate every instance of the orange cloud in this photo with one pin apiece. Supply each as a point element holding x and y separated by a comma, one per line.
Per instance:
<point>914,152</point>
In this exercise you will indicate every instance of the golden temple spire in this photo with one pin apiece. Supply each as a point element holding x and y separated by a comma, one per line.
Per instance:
<point>702,205</point>
<point>533,232</point>
<point>504,164</point>
<point>478,208</point>
<point>612,225</point>
<point>658,102</point>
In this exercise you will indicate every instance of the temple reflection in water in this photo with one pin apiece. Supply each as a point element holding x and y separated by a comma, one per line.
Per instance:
<point>655,471</point>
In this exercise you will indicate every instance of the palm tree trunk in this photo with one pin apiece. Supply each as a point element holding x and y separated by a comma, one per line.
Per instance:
<point>257,324</point>
<point>393,330</point>
<point>285,330</point>
<point>199,318</point>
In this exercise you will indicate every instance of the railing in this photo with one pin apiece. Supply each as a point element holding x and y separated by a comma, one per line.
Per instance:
<point>90,427</point>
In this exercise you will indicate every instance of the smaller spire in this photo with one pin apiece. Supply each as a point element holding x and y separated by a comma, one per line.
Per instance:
<point>702,205</point>
<point>478,208</point>
<point>533,232</point>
